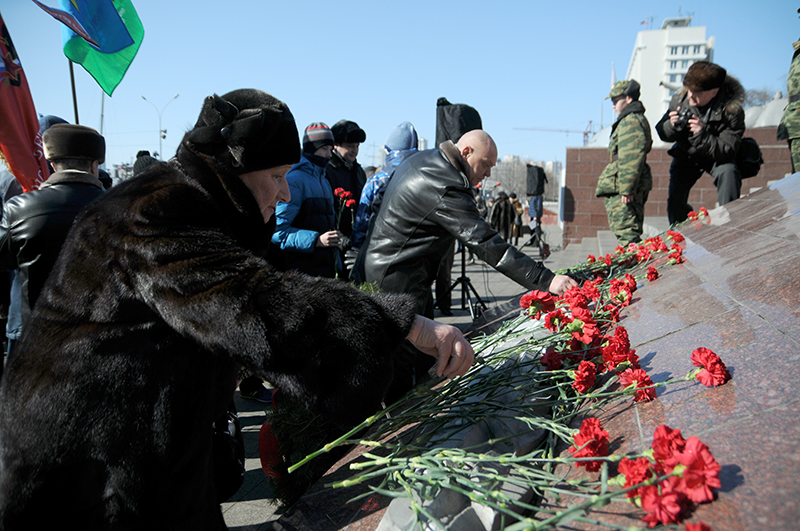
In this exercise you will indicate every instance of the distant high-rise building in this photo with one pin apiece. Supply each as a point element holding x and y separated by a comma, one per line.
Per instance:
<point>661,58</point>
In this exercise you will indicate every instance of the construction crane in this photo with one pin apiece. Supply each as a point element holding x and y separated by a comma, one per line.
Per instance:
<point>586,132</point>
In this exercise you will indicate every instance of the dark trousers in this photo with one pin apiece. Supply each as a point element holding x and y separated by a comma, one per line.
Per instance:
<point>683,174</point>
<point>443,281</point>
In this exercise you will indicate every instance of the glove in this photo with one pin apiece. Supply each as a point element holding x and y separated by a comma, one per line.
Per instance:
<point>350,258</point>
<point>344,243</point>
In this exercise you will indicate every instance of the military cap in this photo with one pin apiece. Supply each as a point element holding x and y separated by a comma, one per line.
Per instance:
<point>68,141</point>
<point>625,88</point>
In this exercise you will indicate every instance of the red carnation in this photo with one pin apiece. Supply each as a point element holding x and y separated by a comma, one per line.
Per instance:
<point>704,211</point>
<point>701,472</point>
<point>556,320</point>
<point>635,472</point>
<point>666,442</point>
<point>588,331</point>
<point>617,349</point>
<point>551,360</point>
<point>713,372</point>
<point>590,290</point>
<point>590,441</point>
<point>641,379</point>
<point>575,298</point>
<point>584,376</point>
<point>591,258</point>
<point>537,301</point>
<point>350,203</point>
<point>692,215</point>
<point>663,503</point>
<point>676,236</point>
<point>652,273</point>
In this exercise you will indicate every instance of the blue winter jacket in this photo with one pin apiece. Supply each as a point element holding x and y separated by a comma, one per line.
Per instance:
<point>308,214</point>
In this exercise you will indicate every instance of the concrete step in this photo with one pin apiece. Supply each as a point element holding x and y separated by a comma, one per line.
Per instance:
<point>606,242</point>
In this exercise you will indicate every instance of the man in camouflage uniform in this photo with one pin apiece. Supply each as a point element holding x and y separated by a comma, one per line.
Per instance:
<point>789,128</point>
<point>626,181</point>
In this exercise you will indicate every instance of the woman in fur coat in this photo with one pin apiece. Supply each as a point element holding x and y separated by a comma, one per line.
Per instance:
<point>160,295</point>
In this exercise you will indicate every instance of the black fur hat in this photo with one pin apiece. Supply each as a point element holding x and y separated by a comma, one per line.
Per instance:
<point>68,141</point>
<point>704,75</point>
<point>347,131</point>
<point>246,130</point>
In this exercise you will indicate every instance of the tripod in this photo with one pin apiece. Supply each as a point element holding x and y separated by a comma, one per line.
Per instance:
<point>537,240</point>
<point>476,308</point>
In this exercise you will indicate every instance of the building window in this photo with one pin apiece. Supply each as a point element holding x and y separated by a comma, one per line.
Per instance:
<point>684,50</point>
<point>673,64</point>
<point>673,50</point>
<point>673,78</point>
<point>684,64</point>
<point>697,48</point>
<point>671,92</point>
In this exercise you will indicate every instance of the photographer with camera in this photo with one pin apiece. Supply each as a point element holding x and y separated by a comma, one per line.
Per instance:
<point>705,119</point>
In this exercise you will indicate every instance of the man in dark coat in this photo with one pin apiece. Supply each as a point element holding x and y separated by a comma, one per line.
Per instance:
<point>427,206</point>
<point>35,224</point>
<point>161,294</point>
<point>705,120</point>
<point>344,171</point>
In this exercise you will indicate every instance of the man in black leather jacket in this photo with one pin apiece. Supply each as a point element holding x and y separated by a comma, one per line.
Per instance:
<point>35,224</point>
<point>429,204</point>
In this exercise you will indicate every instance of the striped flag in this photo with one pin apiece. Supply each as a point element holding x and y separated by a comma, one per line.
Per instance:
<point>103,36</point>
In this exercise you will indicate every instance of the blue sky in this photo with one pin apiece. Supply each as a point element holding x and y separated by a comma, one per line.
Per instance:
<point>519,63</point>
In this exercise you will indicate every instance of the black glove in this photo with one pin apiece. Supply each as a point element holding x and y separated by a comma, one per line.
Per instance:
<point>350,258</point>
<point>344,243</point>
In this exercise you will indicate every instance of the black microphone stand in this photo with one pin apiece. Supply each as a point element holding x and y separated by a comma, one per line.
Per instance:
<point>478,307</point>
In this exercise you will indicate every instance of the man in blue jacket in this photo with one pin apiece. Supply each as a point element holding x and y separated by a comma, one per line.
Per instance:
<point>305,236</point>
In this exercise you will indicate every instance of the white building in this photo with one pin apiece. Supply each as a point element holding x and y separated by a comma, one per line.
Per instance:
<point>661,58</point>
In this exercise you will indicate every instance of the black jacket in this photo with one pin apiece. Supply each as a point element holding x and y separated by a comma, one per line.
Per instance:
<point>350,179</point>
<point>36,224</point>
<point>719,140</point>
<point>160,295</point>
<point>427,205</point>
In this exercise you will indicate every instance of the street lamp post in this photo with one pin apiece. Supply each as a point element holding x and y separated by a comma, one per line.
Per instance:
<point>162,133</point>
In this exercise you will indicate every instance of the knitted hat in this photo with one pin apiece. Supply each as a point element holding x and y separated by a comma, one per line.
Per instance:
<point>347,131</point>
<point>315,136</point>
<point>246,130</point>
<point>143,161</point>
<point>703,75</point>
<point>402,138</point>
<point>625,88</point>
<point>67,141</point>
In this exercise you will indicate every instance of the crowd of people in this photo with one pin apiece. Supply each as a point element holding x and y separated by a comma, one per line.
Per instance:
<point>143,306</point>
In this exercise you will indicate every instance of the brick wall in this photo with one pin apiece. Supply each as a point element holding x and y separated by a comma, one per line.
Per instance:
<point>585,214</point>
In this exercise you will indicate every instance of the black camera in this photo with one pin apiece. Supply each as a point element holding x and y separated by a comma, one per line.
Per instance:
<point>683,119</point>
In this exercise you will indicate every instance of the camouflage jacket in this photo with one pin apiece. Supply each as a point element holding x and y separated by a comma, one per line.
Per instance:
<point>627,172</point>
<point>790,122</point>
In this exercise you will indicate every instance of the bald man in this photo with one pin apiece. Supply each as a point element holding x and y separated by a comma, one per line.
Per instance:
<point>429,204</point>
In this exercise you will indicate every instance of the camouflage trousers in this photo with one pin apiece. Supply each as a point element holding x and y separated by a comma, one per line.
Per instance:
<point>626,220</point>
<point>794,147</point>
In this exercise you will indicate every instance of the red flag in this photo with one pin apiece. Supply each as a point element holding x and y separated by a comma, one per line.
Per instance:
<point>20,141</point>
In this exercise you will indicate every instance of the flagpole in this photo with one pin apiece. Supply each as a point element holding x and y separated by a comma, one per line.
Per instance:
<point>74,96</point>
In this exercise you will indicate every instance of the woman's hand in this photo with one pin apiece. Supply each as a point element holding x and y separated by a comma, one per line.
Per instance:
<point>444,342</point>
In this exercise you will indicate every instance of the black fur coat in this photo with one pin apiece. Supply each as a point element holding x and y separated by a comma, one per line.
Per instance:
<point>160,294</point>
